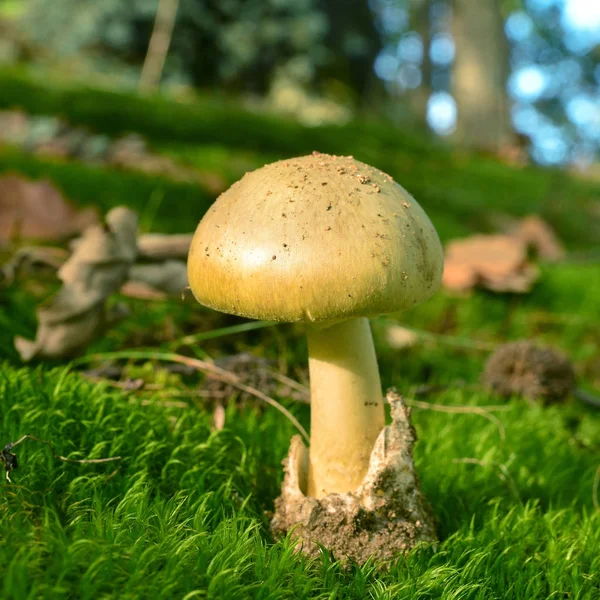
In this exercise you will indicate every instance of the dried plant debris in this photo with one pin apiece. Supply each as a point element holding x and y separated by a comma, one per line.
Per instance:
<point>255,372</point>
<point>37,210</point>
<point>98,267</point>
<point>525,369</point>
<point>32,259</point>
<point>500,262</point>
<point>384,518</point>
<point>147,280</point>
<point>496,262</point>
<point>160,246</point>
<point>168,277</point>
<point>538,236</point>
<point>10,461</point>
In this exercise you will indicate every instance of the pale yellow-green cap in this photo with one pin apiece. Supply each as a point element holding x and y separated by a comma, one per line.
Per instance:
<point>314,238</point>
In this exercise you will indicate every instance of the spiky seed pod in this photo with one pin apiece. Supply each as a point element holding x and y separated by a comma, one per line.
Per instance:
<point>525,369</point>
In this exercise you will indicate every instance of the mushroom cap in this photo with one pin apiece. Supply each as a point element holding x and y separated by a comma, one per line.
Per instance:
<point>315,238</point>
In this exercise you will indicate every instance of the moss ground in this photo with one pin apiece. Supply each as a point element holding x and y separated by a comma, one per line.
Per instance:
<point>184,514</point>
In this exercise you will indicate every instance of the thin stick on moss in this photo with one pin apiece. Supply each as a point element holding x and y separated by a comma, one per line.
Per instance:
<point>474,410</point>
<point>9,459</point>
<point>203,366</point>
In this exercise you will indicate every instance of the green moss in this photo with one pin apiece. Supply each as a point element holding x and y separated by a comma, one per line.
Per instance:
<point>182,512</point>
<point>461,192</point>
<point>182,515</point>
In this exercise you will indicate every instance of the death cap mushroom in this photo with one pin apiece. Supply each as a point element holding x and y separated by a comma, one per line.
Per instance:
<point>316,238</point>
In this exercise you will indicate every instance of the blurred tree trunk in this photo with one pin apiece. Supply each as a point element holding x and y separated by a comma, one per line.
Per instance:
<point>479,74</point>
<point>158,46</point>
<point>421,23</point>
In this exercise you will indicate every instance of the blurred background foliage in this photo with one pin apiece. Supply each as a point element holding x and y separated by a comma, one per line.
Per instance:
<point>492,74</point>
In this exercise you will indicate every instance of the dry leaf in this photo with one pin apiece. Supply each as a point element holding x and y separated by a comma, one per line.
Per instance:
<point>141,291</point>
<point>37,210</point>
<point>169,276</point>
<point>495,262</point>
<point>98,267</point>
<point>147,280</point>
<point>160,246</point>
<point>539,236</point>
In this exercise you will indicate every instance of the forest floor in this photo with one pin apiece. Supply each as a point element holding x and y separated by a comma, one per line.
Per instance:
<point>184,512</point>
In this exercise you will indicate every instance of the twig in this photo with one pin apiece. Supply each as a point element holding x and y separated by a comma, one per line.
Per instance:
<point>10,460</point>
<point>501,472</point>
<point>587,398</point>
<point>160,246</point>
<point>127,385</point>
<point>475,410</point>
<point>221,332</point>
<point>165,403</point>
<point>204,366</point>
<point>292,383</point>
<point>450,340</point>
<point>211,394</point>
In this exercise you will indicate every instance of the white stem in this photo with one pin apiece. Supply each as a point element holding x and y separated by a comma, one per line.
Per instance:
<point>347,411</point>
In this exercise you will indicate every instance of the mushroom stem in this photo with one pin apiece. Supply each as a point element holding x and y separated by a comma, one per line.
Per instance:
<point>347,411</point>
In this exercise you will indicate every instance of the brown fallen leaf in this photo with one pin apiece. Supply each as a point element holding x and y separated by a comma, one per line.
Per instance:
<point>160,246</point>
<point>169,276</point>
<point>147,280</point>
<point>141,291</point>
<point>539,236</point>
<point>495,262</point>
<point>37,210</point>
<point>98,267</point>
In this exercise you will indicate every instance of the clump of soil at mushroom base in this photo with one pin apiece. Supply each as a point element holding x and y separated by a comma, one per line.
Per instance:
<point>386,516</point>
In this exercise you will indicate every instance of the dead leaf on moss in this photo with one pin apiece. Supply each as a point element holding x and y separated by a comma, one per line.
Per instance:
<point>537,235</point>
<point>37,210</point>
<point>169,276</point>
<point>149,280</point>
<point>496,262</point>
<point>161,246</point>
<point>141,291</point>
<point>98,267</point>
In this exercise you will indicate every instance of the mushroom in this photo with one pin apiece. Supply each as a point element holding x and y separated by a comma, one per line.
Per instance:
<point>327,241</point>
